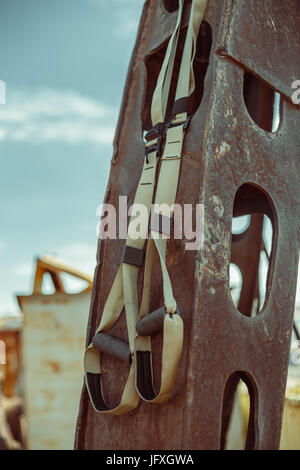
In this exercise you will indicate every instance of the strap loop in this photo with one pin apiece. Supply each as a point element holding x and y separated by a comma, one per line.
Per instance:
<point>172,346</point>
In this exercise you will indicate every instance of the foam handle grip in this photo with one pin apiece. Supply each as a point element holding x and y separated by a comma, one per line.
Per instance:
<point>110,345</point>
<point>151,323</point>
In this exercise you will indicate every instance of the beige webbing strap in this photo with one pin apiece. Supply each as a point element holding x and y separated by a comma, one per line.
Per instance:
<point>162,89</point>
<point>164,201</point>
<point>124,288</point>
<point>123,293</point>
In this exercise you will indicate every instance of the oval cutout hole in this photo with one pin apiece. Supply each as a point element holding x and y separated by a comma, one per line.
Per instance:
<point>239,427</point>
<point>252,250</point>
<point>262,102</point>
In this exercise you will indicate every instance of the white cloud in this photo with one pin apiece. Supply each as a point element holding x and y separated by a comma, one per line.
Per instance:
<point>126,15</point>
<point>23,270</point>
<point>127,27</point>
<point>79,255</point>
<point>55,115</point>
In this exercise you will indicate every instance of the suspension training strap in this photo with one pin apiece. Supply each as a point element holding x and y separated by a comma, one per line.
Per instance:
<point>124,288</point>
<point>168,317</point>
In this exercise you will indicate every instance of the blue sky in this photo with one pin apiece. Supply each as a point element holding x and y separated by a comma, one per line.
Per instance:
<point>64,63</point>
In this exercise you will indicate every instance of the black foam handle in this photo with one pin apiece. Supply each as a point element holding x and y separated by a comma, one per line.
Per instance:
<point>152,323</point>
<point>110,345</point>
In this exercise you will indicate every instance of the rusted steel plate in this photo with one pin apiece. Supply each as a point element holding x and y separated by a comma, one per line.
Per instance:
<point>223,150</point>
<point>263,36</point>
<point>52,354</point>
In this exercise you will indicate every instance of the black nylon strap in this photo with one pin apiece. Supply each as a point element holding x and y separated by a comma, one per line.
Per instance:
<point>94,384</point>
<point>144,375</point>
<point>180,106</point>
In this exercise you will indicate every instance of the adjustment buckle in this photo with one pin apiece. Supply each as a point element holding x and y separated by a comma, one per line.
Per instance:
<point>157,133</point>
<point>185,124</point>
<point>154,148</point>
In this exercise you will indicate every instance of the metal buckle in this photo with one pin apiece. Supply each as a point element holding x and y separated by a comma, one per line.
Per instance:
<point>155,147</point>
<point>185,124</point>
<point>156,132</point>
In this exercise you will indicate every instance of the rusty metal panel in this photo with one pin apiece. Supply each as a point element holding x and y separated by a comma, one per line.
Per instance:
<point>223,150</point>
<point>264,36</point>
<point>52,353</point>
<point>10,334</point>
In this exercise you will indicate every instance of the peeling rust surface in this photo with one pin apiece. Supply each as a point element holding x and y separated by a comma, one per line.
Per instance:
<point>223,150</point>
<point>258,34</point>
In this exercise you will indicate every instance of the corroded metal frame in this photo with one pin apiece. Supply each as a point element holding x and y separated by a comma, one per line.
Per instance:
<point>223,150</point>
